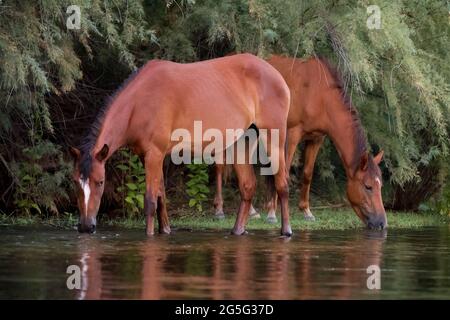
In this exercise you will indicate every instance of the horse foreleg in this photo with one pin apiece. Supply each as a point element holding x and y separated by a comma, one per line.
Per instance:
<point>218,200</point>
<point>153,175</point>
<point>312,148</point>
<point>247,188</point>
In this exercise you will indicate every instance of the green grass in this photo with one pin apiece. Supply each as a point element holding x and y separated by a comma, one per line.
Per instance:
<point>342,219</point>
<point>337,219</point>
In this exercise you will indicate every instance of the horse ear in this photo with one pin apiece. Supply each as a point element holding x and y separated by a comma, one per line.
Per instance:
<point>364,162</point>
<point>102,154</point>
<point>377,159</point>
<point>75,153</point>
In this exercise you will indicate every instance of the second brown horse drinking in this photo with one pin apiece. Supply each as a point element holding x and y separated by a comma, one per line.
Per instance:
<point>227,93</point>
<point>320,107</point>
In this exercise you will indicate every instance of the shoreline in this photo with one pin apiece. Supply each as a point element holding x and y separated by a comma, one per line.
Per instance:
<point>326,219</point>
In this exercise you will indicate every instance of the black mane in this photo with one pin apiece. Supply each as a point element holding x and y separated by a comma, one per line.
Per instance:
<point>90,139</point>
<point>360,139</point>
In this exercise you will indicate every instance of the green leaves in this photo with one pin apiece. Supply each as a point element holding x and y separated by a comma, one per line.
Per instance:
<point>398,76</point>
<point>133,185</point>
<point>197,185</point>
<point>42,179</point>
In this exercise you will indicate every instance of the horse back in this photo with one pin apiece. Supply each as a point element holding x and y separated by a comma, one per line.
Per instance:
<point>225,93</point>
<point>309,82</point>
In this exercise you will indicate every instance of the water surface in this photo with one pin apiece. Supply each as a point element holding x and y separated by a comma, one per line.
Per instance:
<point>125,264</point>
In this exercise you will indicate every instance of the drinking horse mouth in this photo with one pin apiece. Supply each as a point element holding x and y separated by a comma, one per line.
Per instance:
<point>376,222</point>
<point>87,225</point>
<point>373,220</point>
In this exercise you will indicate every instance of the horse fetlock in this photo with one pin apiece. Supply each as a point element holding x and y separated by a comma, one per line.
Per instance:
<point>307,214</point>
<point>218,203</point>
<point>150,205</point>
<point>253,213</point>
<point>164,230</point>
<point>219,214</point>
<point>303,205</point>
<point>149,229</point>
<point>271,218</point>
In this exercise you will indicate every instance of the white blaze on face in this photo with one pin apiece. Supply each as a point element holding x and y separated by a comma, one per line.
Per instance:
<point>87,192</point>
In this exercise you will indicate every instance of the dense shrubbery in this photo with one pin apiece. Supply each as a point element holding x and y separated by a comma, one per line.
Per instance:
<point>52,80</point>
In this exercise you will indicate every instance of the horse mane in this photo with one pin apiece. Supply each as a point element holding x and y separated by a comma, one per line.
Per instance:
<point>359,137</point>
<point>90,139</point>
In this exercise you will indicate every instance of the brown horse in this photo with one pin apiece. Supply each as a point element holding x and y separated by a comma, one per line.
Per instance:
<point>233,92</point>
<point>319,107</point>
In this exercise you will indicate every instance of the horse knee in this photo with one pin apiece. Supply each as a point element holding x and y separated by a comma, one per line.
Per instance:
<point>248,189</point>
<point>150,205</point>
<point>307,177</point>
<point>282,188</point>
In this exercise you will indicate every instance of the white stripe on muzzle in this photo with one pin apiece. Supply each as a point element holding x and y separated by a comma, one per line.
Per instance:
<point>87,192</point>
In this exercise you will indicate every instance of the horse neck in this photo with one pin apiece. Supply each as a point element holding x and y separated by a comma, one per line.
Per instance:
<point>114,130</point>
<point>345,131</point>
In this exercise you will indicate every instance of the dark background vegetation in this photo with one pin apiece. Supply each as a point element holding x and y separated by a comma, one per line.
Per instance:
<point>53,81</point>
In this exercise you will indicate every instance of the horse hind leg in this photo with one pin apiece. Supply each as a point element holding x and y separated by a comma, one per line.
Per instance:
<point>247,188</point>
<point>218,200</point>
<point>276,155</point>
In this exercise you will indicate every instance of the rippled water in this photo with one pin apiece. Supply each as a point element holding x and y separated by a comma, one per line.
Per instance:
<point>124,264</point>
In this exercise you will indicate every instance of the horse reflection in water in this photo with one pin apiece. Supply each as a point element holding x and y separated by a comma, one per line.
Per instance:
<point>230,268</point>
<point>91,270</point>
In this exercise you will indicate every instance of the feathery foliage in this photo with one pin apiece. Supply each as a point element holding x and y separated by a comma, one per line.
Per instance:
<point>397,76</point>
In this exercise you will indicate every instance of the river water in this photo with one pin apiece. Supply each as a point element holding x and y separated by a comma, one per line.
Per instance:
<point>125,264</point>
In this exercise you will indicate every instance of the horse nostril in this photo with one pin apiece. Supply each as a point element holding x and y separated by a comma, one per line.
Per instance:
<point>92,229</point>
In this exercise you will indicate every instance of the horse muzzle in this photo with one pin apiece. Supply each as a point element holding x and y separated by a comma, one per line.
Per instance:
<point>377,222</point>
<point>87,225</point>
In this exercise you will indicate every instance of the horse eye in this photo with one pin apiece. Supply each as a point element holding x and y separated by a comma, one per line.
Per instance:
<point>100,183</point>
<point>368,188</point>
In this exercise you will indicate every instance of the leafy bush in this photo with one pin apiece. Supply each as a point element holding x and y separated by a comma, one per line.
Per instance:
<point>41,179</point>
<point>197,186</point>
<point>133,185</point>
<point>443,206</point>
<point>398,76</point>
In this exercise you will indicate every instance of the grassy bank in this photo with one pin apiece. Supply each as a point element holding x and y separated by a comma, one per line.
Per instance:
<point>336,219</point>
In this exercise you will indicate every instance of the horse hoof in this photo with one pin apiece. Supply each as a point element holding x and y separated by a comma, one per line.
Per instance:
<point>219,216</point>
<point>255,216</point>
<point>239,232</point>
<point>287,233</point>
<point>164,231</point>
<point>272,220</point>
<point>308,215</point>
